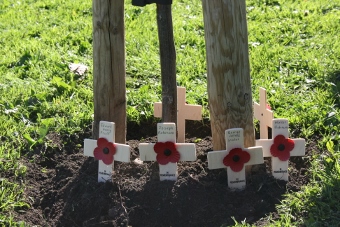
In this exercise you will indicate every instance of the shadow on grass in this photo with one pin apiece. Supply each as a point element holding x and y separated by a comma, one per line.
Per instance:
<point>323,208</point>
<point>335,79</point>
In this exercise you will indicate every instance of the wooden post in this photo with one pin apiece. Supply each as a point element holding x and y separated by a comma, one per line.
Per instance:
<point>229,87</point>
<point>168,63</point>
<point>109,66</point>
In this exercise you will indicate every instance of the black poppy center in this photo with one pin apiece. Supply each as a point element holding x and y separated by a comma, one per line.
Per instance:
<point>236,158</point>
<point>167,152</point>
<point>281,147</point>
<point>106,150</point>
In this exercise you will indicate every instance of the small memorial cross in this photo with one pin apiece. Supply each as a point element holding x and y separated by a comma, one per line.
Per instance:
<point>184,112</point>
<point>280,148</point>
<point>263,113</point>
<point>167,152</point>
<point>235,158</point>
<point>106,150</point>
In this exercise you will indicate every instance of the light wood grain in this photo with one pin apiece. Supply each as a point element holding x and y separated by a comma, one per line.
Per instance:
<point>184,112</point>
<point>109,66</point>
<point>263,114</point>
<point>229,87</point>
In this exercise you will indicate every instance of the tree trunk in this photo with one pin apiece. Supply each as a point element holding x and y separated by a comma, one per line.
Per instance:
<point>168,63</point>
<point>229,86</point>
<point>109,66</point>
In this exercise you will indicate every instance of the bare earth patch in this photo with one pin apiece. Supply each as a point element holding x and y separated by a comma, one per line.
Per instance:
<point>62,189</point>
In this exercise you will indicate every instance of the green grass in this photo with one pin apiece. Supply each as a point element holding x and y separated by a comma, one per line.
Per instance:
<point>294,54</point>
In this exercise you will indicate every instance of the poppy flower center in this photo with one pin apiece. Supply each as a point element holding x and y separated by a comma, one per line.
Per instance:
<point>106,150</point>
<point>167,152</point>
<point>281,147</point>
<point>236,158</point>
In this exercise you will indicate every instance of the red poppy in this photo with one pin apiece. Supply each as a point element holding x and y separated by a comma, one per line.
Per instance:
<point>236,159</point>
<point>282,147</point>
<point>104,151</point>
<point>166,152</point>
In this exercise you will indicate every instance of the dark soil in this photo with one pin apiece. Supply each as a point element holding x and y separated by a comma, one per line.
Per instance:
<point>61,186</point>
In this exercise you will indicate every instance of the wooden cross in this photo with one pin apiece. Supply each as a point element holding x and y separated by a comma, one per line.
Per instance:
<point>263,114</point>
<point>184,112</point>
<point>235,158</point>
<point>280,148</point>
<point>167,152</point>
<point>107,150</point>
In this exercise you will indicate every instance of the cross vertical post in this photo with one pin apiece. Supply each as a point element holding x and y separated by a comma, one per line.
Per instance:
<point>184,112</point>
<point>280,148</point>
<point>235,158</point>
<point>167,152</point>
<point>107,150</point>
<point>263,114</point>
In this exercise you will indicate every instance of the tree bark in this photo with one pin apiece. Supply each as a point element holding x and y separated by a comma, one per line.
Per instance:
<point>109,66</point>
<point>168,63</point>
<point>229,85</point>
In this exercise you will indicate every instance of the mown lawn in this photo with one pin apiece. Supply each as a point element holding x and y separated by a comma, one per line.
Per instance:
<point>294,53</point>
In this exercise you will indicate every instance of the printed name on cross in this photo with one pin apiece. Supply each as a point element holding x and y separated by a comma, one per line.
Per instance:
<point>165,130</point>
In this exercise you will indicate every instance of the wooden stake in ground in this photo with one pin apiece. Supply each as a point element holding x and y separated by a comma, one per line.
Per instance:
<point>263,113</point>
<point>168,63</point>
<point>184,112</point>
<point>229,87</point>
<point>280,148</point>
<point>106,150</point>
<point>167,57</point>
<point>167,152</point>
<point>235,158</point>
<point>109,66</point>
<point>145,2</point>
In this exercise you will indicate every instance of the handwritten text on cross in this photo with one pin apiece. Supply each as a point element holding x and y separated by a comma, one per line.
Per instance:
<point>167,152</point>
<point>235,158</point>
<point>280,148</point>
<point>106,150</point>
